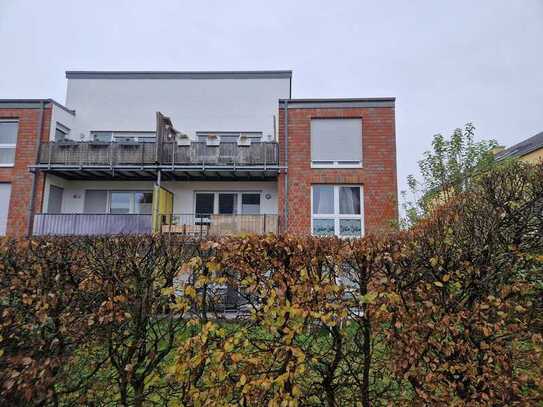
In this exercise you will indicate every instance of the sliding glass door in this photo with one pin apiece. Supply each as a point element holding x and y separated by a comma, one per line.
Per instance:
<point>227,203</point>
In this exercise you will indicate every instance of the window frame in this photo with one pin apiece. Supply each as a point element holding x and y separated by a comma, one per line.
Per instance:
<point>239,199</point>
<point>10,145</point>
<point>337,216</point>
<point>254,136</point>
<point>338,163</point>
<point>62,129</point>
<point>128,136</point>
<point>132,192</point>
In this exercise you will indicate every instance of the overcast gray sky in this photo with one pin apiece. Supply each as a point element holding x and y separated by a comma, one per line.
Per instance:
<point>446,62</point>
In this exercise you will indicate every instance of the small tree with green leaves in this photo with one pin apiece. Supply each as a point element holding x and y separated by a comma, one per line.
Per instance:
<point>446,170</point>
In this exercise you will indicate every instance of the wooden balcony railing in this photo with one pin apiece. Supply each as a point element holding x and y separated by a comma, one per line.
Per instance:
<point>89,154</point>
<point>203,225</point>
<point>225,154</point>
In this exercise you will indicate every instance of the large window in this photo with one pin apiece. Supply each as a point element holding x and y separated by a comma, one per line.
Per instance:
<point>337,210</point>
<point>336,143</point>
<point>118,202</point>
<point>8,142</point>
<point>227,203</point>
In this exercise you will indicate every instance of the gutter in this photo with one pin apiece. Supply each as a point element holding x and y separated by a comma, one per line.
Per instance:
<point>39,129</point>
<point>286,163</point>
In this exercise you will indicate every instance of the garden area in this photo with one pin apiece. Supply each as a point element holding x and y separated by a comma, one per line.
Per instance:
<point>446,312</point>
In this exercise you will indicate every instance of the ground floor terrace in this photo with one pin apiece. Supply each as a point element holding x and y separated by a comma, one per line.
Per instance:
<point>199,208</point>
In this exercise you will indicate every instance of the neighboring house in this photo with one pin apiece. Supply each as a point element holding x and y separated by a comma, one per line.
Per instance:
<point>196,153</point>
<point>529,150</point>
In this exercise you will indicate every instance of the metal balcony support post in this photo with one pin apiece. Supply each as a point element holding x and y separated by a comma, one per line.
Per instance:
<point>142,146</point>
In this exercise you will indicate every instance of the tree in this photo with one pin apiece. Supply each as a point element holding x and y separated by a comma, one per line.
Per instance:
<point>446,170</point>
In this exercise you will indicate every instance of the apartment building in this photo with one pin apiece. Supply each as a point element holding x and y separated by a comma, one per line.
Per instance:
<point>200,153</point>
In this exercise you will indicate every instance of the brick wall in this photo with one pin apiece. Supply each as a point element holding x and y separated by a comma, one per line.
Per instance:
<point>378,175</point>
<point>19,175</point>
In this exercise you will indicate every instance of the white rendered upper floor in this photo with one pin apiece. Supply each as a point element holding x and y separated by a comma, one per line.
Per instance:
<point>196,102</point>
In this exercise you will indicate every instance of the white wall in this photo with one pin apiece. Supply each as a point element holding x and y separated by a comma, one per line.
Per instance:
<point>63,117</point>
<point>184,193</point>
<point>73,197</point>
<point>192,104</point>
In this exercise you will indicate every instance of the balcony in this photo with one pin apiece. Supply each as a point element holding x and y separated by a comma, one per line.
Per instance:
<point>203,225</point>
<point>192,225</point>
<point>79,224</point>
<point>137,160</point>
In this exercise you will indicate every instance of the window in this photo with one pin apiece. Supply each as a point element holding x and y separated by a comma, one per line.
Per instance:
<point>123,136</point>
<point>54,203</point>
<point>205,203</point>
<point>61,132</point>
<point>102,136</point>
<point>5,194</point>
<point>228,137</point>
<point>336,143</point>
<point>250,204</point>
<point>143,202</point>
<point>226,202</point>
<point>118,202</point>
<point>95,201</point>
<point>8,142</point>
<point>337,210</point>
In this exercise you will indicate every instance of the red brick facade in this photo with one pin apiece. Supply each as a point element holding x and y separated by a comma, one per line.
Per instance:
<point>19,175</point>
<point>377,175</point>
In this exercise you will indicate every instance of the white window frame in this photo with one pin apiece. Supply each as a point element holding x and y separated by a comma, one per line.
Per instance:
<point>336,216</point>
<point>132,192</point>
<point>10,145</point>
<point>336,164</point>
<point>216,199</point>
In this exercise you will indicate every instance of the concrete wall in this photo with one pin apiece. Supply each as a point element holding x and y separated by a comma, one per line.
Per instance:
<point>192,104</point>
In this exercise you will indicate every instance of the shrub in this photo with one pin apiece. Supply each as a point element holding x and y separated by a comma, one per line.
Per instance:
<point>447,313</point>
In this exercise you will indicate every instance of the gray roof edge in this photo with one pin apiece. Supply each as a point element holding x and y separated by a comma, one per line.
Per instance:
<point>31,104</point>
<point>179,74</point>
<point>524,147</point>
<point>339,102</point>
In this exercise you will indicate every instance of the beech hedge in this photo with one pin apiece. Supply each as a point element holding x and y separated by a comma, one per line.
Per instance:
<point>447,313</point>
